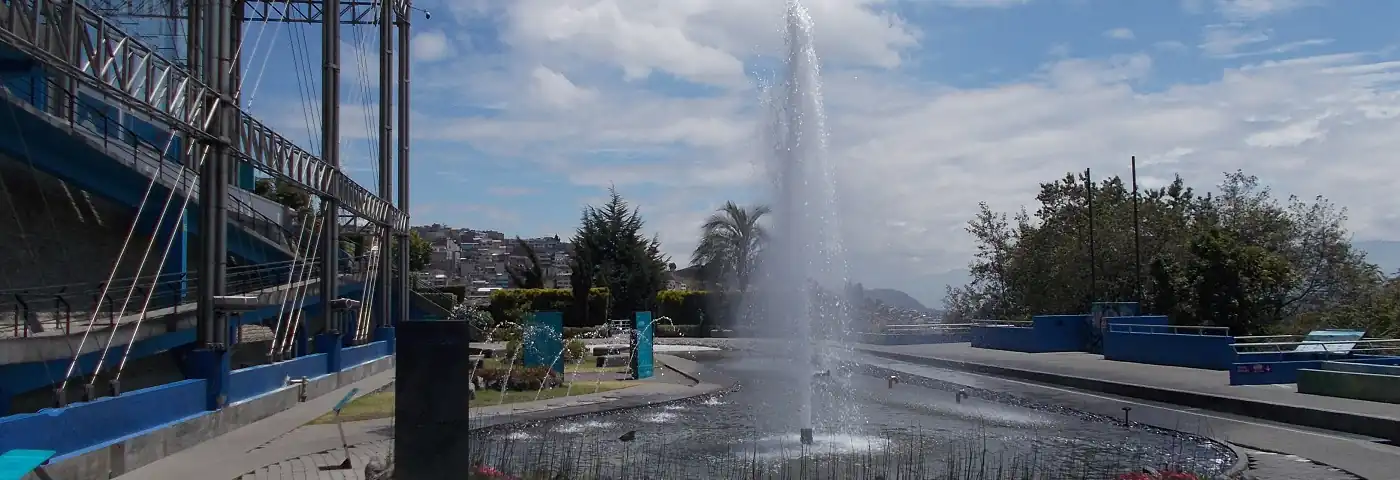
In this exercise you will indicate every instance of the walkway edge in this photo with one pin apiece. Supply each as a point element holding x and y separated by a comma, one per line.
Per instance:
<point>712,383</point>
<point>1378,427</point>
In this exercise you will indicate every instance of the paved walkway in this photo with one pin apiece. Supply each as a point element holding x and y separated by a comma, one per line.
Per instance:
<point>232,454</point>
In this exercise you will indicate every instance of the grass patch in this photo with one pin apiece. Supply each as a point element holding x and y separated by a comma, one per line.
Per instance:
<point>368,407</point>
<point>487,398</point>
<point>588,365</point>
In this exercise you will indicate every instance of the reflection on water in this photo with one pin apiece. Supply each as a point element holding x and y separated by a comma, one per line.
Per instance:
<point>904,424</point>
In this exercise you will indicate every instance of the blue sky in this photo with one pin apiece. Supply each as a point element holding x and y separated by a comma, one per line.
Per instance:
<point>527,110</point>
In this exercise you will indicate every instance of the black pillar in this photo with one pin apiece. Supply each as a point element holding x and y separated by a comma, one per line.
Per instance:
<point>430,403</point>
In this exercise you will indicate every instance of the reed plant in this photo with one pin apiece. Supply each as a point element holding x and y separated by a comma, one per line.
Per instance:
<point>893,456</point>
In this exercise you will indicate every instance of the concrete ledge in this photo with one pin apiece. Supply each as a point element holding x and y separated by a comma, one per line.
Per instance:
<point>125,455</point>
<point>1379,427</point>
<point>711,383</point>
<point>1370,387</point>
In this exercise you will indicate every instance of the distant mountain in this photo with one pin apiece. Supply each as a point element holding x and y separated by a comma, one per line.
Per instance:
<point>896,299</point>
<point>1383,253</point>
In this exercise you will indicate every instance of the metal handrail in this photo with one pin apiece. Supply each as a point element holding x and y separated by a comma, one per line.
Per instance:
<point>1200,330</point>
<point>89,118</point>
<point>1365,344</point>
<point>168,293</point>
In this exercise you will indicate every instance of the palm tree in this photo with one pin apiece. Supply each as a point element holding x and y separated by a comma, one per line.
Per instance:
<point>730,241</point>
<point>530,275</point>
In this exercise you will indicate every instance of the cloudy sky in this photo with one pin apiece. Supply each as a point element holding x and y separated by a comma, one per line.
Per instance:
<point>526,110</point>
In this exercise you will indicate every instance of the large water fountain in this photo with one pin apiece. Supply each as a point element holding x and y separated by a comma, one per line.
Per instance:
<point>803,271</point>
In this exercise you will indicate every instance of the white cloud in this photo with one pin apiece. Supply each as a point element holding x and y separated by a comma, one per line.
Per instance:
<point>913,158</point>
<point>1227,39</point>
<point>1253,9</point>
<point>431,46</point>
<point>1119,34</point>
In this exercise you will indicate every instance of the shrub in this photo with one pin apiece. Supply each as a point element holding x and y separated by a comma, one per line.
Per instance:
<point>672,331</point>
<point>503,302</point>
<point>519,378</point>
<point>513,352</point>
<point>574,349</point>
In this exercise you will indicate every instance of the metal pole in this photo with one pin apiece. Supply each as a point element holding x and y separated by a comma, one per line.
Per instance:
<point>205,326</point>
<point>1093,253</point>
<point>330,152</point>
<point>1137,238</point>
<point>222,67</point>
<point>404,82</point>
<point>383,310</point>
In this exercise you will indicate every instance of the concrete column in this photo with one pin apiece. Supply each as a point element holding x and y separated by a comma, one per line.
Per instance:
<point>212,366</point>
<point>430,431</point>
<point>330,344</point>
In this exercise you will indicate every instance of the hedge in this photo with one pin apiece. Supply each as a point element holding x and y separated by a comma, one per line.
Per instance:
<point>684,307</point>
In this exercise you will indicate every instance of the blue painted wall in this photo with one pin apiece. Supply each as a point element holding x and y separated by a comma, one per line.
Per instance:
<point>914,338</point>
<point>1157,345</point>
<point>82,426</point>
<point>1047,333</point>
<point>1139,320</point>
<point>254,381</point>
<point>352,356</point>
<point>1270,373</point>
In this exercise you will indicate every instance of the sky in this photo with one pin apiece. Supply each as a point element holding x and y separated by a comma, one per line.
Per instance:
<point>525,111</point>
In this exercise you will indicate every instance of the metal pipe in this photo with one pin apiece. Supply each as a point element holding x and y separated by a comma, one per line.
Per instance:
<point>383,310</point>
<point>206,334</point>
<point>1137,237</point>
<point>1093,253</point>
<point>403,117</point>
<point>330,152</point>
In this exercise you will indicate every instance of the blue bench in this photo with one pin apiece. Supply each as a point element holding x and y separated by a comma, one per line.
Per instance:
<point>15,464</point>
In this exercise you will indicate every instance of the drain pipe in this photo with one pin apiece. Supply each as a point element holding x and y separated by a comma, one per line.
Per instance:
<point>301,384</point>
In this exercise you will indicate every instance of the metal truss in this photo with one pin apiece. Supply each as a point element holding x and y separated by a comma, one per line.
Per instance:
<point>72,40</point>
<point>352,12</point>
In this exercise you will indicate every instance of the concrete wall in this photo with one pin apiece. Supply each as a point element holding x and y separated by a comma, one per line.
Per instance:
<point>117,455</point>
<point>1160,345</point>
<point>72,240</point>
<point>913,338</point>
<point>1346,384</point>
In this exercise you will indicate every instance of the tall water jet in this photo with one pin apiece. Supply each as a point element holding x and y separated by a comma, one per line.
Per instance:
<point>803,272</point>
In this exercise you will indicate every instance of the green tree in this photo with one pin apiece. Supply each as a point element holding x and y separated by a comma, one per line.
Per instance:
<point>290,196</point>
<point>531,274</point>
<point>730,241</point>
<point>420,252</point>
<point>611,250</point>
<point>1238,258</point>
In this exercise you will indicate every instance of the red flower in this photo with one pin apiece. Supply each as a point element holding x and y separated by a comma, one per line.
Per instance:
<point>1134,476</point>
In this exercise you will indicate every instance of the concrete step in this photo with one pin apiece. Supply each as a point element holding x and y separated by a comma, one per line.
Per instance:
<point>613,361</point>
